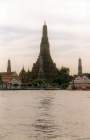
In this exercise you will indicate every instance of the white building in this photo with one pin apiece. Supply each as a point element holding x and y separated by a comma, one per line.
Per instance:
<point>15,83</point>
<point>81,82</point>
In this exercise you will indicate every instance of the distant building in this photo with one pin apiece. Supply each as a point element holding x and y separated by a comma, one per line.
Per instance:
<point>44,68</point>
<point>9,67</point>
<point>80,81</point>
<point>80,67</point>
<point>9,76</point>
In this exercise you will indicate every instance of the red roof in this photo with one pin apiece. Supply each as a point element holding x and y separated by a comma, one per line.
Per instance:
<point>7,77</point>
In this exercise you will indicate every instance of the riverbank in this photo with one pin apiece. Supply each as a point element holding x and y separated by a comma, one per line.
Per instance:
<point>32,89</point>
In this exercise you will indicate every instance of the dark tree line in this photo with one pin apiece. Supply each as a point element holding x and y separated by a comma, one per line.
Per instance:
<point>24,76</point>
<point>61,80</point>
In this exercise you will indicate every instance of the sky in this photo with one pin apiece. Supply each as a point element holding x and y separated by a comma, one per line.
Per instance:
<point>68,24</point>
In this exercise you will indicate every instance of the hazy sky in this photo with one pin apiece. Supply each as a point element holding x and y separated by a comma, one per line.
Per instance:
<point>68,24</point>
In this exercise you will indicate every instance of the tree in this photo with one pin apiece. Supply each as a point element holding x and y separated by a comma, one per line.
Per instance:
<point>0,79</point>
<point>87,74</point>
<point>63,78</point>
<point>40,83</point>
<point>22,75</point>
<point>1,82</point>
<point>28,76</point>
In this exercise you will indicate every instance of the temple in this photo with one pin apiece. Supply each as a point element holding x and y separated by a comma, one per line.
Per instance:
<point>44,68</point>
<point>9,76</point>
<point>80,81</point>
<point>79,67</point>
<point>9,67</point>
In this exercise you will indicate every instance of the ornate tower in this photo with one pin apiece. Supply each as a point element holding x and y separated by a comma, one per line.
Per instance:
<point>80,67</point>
<point>9,66</point>
<point>44,68</point>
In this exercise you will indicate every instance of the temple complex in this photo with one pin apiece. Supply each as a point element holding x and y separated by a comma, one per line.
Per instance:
<point>44,68</point>
<point>80,81</point>
<point>8,76</point>
<point>79,67</point>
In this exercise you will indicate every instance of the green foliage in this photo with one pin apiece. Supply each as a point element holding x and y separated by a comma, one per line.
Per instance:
<point>25,77</point>
<point>22,76</point>
<point>63,78</point>
<point>64,70</point>
<point>28,76</point>
<point>39,83</point>
<point>1,79</point>
<point>87,74</point>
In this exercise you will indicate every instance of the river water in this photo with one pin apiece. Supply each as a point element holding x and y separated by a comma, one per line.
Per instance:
<point>44,115</point>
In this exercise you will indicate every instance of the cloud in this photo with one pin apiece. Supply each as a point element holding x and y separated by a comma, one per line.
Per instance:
<point>10,34</point>
<point>21,28</point>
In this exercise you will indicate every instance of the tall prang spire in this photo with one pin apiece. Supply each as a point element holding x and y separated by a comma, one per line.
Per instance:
<point>44,68</point>
<point>44,46</point>
<point>44,35</point>
<point>44,30</point>
<point>80,67</point>
<point>9,66</point>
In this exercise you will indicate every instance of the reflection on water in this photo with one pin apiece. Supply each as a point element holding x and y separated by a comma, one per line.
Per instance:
<point>44,115</point>
<point>44,125</point>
